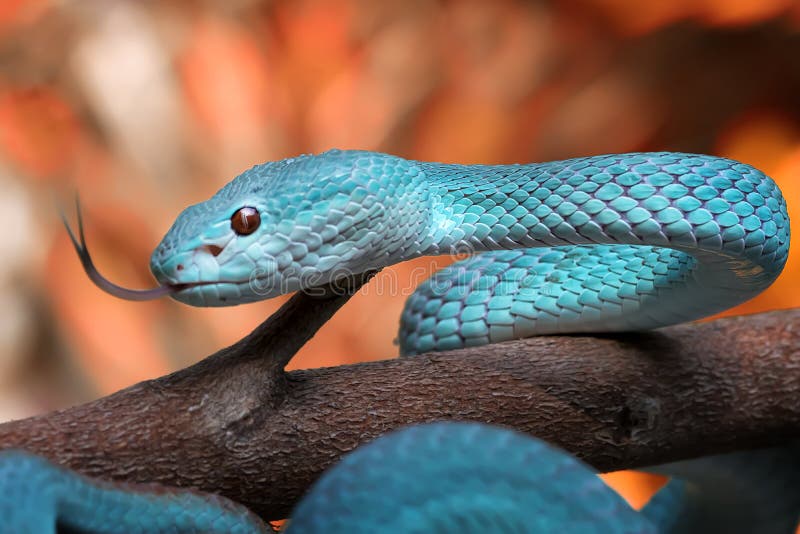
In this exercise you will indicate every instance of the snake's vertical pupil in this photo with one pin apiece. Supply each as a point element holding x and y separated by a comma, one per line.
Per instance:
<point>245,221</point>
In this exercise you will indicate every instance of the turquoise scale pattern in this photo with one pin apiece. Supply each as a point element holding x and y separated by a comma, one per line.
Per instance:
<point>498,296</point>
<point>39,496</point>
<point>324,217</point>
<point>632,241</point>
<point>466,477</point>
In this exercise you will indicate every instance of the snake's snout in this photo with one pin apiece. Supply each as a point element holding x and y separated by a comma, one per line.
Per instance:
<point>214,273</point>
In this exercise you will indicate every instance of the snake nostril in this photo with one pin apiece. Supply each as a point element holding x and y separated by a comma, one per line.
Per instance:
<point>214,250</point>
<point>179,267</point>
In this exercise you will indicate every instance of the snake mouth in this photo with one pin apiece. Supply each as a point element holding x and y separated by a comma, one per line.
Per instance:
<point>110,287</point>
<point>186,286</point>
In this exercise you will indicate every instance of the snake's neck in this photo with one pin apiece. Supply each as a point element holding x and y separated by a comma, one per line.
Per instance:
<point>482,207</point>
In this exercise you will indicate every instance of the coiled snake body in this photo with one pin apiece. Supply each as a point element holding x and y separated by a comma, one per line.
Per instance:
<point>595,244</point>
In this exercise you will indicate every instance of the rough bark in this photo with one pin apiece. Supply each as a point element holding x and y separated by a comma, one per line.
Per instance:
<point>238,425</point>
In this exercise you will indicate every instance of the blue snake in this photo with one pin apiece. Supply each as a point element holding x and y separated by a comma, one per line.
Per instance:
<point>596,244</point>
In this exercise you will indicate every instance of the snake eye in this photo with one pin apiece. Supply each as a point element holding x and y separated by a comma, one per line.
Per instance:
<point>245,221</point>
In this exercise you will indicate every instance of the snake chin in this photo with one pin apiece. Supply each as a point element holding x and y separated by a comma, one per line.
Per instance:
<point>217,293</point>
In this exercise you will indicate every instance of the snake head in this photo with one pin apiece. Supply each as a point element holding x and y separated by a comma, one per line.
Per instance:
<point>289,225</point>
<point>296,224</point>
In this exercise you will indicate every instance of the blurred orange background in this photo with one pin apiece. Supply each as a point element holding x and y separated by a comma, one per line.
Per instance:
<point>146,107</point>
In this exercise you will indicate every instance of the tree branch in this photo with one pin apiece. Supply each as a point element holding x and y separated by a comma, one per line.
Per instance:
<point>238,425</point>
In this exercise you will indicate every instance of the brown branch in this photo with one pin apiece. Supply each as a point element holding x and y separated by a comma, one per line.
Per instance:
<point>238,425</point>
